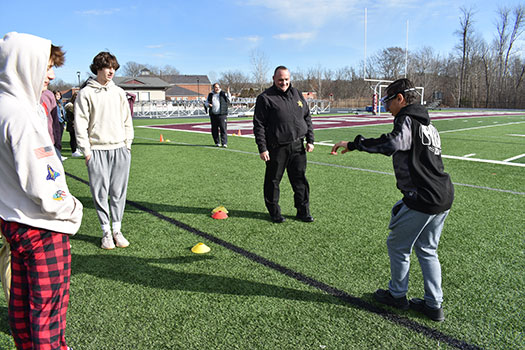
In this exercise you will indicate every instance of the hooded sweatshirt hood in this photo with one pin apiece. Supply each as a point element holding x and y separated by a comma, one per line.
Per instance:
<point>93,83</point>
<point>416,111</point>
<point>23,66</point>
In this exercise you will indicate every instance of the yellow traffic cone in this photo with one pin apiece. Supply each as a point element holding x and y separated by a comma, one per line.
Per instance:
<point>200,248</point>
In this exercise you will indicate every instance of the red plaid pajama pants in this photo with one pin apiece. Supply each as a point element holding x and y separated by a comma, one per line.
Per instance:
<point>41,269</point>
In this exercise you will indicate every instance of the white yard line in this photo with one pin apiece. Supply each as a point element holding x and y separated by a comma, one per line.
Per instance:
<point>514,158</point>
<point>500,162</point>
<point>480,127</point>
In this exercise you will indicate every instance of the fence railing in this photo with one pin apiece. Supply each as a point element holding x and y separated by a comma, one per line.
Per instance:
<point>239,107</point>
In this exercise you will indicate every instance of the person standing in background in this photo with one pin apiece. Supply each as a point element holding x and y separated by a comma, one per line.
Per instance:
<point>218,102</point>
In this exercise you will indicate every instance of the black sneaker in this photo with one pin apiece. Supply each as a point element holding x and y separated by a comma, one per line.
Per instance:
<point>278,219</point>
<point>384,297</point>
<point>305,218</point>
<point>421,306</point>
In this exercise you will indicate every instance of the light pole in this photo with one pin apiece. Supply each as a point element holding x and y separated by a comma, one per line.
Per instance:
<point>78,76</point>
<point>198,90</point>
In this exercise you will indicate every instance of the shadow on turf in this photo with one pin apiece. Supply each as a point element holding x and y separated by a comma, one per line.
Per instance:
<point>87,202</point>
<point>146,272</point>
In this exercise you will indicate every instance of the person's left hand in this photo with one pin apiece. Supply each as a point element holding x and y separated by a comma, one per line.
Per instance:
<point>309,147</point>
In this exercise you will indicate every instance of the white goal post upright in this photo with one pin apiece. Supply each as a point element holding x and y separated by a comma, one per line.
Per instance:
<point>380,83</point>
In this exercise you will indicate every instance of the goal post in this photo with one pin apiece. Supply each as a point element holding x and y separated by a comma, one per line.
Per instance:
<point>378,87</point>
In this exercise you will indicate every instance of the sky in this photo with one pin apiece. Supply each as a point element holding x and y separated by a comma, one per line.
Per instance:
<point>215,36</point>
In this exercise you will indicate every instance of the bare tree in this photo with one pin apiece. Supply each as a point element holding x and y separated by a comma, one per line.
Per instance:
<point>509,26</point>
<point>389,63</point>
<point>260,68</point>
<point>162,71</point>
<point>132,69</point>
<point>235,80</point>
<point>465,34</point>
<point>59,84</point>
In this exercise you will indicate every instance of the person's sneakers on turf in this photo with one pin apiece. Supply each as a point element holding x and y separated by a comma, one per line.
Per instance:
<point>121,241</point>
<point>421,306</point>
<point>107,241</point>
<point>384,297</point>
<point>278,219</point>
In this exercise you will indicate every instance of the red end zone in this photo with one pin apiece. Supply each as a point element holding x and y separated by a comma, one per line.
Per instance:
<point>322,122</point>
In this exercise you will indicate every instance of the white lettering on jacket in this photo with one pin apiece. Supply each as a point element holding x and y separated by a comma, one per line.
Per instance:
<point>430,138</point>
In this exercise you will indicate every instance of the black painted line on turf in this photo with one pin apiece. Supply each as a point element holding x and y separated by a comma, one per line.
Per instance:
<point>342,295</point>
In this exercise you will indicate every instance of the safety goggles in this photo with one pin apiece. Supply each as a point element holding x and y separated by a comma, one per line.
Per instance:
<point>387,98</point>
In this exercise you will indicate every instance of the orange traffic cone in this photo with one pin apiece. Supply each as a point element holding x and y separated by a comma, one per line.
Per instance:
<point>239,134</point>
<point>161,138</point>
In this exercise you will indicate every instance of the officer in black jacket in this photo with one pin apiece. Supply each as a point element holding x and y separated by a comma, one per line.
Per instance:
<point>281,123</point>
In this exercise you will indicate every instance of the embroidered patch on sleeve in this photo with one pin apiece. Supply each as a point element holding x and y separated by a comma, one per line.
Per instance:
<point>43,152</point>
<point>59,195</point>
<point>300,103</point>
<point>51,174</point>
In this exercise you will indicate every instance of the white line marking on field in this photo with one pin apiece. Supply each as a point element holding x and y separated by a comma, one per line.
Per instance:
<point>514,158</point>
<point>500,162</point>
<point>480,127</point>
<point>469,155</point>
<point>518,135</point>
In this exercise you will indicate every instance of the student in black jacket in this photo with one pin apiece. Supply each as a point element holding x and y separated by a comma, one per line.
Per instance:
<point>417,219</point>
<point>281,124</point>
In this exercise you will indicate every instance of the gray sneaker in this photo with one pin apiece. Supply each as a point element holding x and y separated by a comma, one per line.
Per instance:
<point>122,242</point>
<point>107,241</point>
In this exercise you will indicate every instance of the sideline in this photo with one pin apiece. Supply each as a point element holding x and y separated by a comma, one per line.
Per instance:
<point>337,293</point>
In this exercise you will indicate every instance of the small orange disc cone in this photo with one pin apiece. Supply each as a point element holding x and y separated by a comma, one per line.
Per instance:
<point>200,248</point>
<point>219,215</point>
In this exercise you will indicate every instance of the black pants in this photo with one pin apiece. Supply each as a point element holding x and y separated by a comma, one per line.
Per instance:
<point>218,123</point>
<point>292,158</point>
<point>72,138</point>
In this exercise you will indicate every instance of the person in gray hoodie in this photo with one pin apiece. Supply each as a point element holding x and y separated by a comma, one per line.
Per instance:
<point>418,218</point>
<point>37,211</point>
<point>104,132</point>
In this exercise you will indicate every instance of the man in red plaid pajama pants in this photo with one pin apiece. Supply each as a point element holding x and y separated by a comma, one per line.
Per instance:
<point>37,212</point>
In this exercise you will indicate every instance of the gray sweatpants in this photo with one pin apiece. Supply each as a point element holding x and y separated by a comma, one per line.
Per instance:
<point>108,172</point>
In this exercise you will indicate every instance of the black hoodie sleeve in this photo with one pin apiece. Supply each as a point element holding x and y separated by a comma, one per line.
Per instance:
<point>399,139</point>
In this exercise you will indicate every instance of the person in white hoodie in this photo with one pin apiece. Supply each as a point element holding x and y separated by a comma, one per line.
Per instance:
<point>104,131</point>
<point>37,211</point>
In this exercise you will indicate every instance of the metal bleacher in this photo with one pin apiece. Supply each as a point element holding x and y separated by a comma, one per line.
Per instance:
<point>239,107</point>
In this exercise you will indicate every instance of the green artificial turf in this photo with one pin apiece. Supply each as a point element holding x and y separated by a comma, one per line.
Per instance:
<point>156,294</point>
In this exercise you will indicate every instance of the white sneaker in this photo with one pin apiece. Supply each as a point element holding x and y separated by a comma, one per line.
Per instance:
<point>107,241</point>
<point>76,154</point>
<point>122,242</point>
<point>64,158</point>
